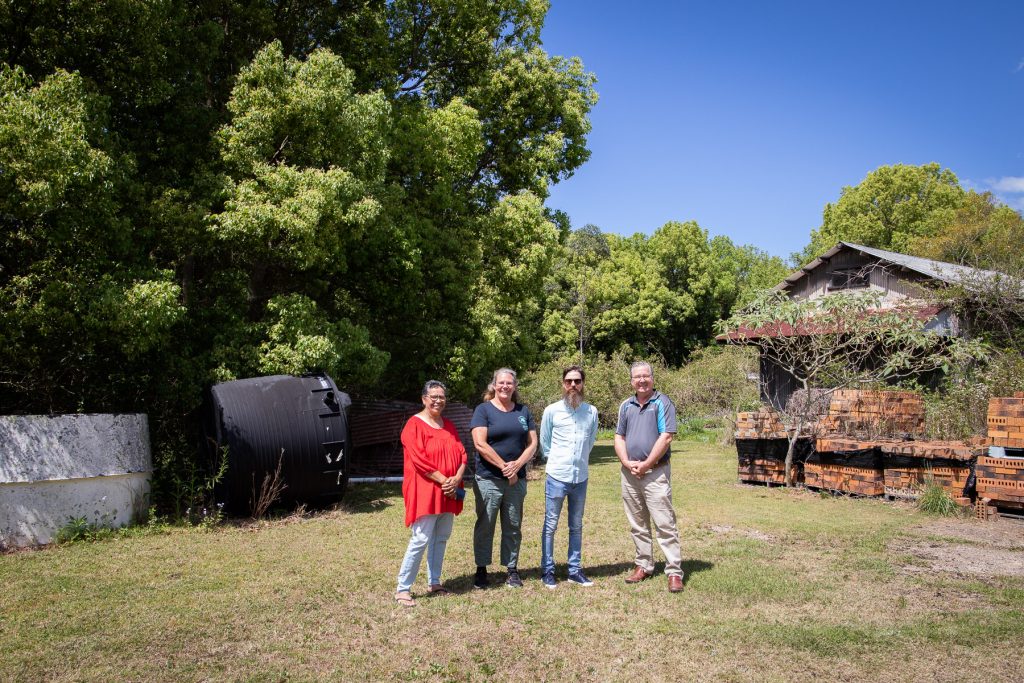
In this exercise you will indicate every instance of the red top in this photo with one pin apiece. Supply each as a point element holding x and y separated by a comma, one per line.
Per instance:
<point>429,449</point>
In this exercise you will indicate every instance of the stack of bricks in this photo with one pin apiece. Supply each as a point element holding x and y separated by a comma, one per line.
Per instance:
<point>848,478</point>
<point>874,413</point>
<point>761,444</point>
<point>862,481</point>
<point>762,424</point>
<point>911,465</point>
<point>1002,480</point>
<point>1006,421</point>
<point>1000,476</point>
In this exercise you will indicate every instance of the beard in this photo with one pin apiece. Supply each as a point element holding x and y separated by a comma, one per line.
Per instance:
<point>573,398</point>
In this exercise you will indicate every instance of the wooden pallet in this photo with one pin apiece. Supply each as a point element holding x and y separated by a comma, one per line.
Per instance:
<point>857,480</point>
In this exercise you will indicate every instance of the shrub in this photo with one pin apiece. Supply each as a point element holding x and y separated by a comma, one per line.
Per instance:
<point>935,500</point>
<point>716,383</point>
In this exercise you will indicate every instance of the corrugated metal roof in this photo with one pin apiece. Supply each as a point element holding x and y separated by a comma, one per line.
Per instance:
<point>938,270</point>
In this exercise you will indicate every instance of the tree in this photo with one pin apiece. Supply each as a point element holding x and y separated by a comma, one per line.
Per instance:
<point>841,340</point>
<point>195,192</point>
<point>571,305</point>
<point>891,207</point>
<point>981,233</point>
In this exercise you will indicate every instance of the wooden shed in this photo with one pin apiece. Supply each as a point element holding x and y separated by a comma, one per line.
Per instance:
<point>900,280</point>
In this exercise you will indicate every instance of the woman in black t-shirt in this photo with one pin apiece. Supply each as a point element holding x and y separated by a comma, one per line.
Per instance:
<point>505,437</point>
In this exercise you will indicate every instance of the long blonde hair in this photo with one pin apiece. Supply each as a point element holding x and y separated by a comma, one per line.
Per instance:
<point>489,393</point>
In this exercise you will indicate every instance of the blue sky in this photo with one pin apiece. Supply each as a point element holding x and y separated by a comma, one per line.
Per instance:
<point>749,117</point>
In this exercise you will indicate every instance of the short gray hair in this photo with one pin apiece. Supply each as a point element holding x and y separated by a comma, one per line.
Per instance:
<point>641,364</point>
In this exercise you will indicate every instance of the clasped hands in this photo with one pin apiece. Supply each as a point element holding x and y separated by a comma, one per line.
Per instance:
<point>639,468</point>
<point>510,471</point>
<point>449,485</point>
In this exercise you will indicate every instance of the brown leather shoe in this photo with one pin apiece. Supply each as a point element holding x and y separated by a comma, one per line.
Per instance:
<point>639,574</point>
<point>675,584</point>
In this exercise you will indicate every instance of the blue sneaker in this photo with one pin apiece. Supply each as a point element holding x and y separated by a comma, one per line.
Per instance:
<point>579,579</point>
<point>549,580</point>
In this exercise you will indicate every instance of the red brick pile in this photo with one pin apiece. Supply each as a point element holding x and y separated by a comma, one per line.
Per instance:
<point>874,413</point>
<point>1006,421</point>
<point>760,424</point>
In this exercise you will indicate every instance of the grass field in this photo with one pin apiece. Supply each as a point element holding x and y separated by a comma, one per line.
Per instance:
<point>781,586</point>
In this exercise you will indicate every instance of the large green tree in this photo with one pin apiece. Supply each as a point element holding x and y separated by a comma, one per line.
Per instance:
<point>889,209</point>
<point>200,191</point>
<point>658,295</point>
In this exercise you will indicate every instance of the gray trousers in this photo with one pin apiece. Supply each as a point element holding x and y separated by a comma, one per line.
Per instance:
<point>496,497</point>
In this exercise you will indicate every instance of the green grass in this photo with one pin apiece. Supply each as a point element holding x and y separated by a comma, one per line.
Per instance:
<point>782,585</point>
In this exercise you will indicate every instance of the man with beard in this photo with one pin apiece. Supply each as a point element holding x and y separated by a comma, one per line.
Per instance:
<point>567,434</point>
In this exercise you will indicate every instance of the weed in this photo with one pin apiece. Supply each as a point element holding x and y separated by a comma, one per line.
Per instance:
<point>935,500</point>
<point>269,491</point>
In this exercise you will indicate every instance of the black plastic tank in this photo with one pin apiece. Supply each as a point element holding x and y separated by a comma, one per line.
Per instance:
<point>301,422</point>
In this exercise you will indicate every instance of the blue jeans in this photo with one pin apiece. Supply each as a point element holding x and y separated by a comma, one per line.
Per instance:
<point>554,493</point>
<point>430,533</point>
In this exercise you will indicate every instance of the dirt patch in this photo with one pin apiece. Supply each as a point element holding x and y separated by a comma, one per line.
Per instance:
<point>994,548</point>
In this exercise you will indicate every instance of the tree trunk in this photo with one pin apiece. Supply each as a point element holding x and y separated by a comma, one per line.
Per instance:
<point>791,450</point>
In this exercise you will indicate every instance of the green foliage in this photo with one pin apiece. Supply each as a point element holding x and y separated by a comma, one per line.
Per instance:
<point>657,295</point>
<point>80,529</point>
<point>891,208</point>
<point>194,193</point>
<point>981,232</point>
<point>958,409</point>
<point>716,382</point>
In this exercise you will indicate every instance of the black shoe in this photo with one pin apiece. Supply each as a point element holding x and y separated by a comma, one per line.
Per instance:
<point>481,578</point>
<point>513,580</point>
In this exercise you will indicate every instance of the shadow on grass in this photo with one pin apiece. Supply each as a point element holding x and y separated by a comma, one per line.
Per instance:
<point>602,455</point>
<point>610,572</point>
<point>363,498</point>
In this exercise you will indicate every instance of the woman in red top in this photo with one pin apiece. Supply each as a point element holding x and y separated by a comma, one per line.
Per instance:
<point>435,460</point>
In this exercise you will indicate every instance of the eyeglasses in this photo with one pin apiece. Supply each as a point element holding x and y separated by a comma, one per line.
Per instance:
<point>436,399</point>
<point>572,380</point>
<point>641,376</point>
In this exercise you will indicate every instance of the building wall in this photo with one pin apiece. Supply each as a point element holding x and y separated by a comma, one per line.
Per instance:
<point>892,283</point>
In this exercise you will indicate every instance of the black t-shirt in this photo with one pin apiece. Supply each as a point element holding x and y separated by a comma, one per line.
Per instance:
<point>507,434</point>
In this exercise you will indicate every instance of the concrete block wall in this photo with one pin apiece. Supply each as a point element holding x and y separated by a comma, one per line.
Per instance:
<point>57,468</point>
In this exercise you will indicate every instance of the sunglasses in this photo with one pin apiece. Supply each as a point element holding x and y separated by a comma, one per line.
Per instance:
<point>572,381</point>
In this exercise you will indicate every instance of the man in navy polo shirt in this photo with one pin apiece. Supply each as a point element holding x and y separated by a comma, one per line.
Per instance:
<point>646,427</point>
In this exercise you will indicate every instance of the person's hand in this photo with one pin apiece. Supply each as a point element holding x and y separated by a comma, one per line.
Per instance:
<point>513,479</point>
<point>509,468</point>
<point>638,469</point>
<point>448,486</point>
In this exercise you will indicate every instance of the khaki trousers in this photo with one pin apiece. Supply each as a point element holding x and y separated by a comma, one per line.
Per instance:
<point>647,500</point>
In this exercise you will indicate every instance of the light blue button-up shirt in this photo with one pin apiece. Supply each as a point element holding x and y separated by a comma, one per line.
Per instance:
<point>566,439</point>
